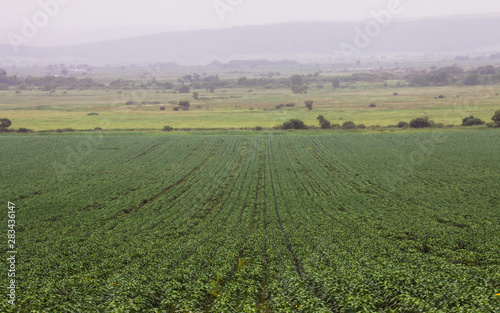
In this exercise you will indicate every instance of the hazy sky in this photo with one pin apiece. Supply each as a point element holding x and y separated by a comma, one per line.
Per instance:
<point>106,19</point>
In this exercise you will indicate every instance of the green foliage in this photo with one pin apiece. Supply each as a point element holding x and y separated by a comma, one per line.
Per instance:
<point>195,95</point>
<point>267,222</point>
<point>167,128</point>
<point>472,121</point>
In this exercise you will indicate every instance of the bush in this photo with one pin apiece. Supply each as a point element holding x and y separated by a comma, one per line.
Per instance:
<point>184,104</point>
<point>24,130</point>
<point>176,108</point>
<point>258,128</point>
<point>349,125</point>
<point>290,105</point>
<point>496,118</point>
<point>441,97</point>
<point>167,129</point>
<point>294,124</point>
<point>403,125</point>
<point>162,108</point>
<point>395,94</point>
<point>98,129</point>
<point>130,102</point>
<point>335,126</point>
<point>92,114</point>
<point>472,121</point>
<point>372,105</point>
<point>361,126</point>
<point>421,122</point>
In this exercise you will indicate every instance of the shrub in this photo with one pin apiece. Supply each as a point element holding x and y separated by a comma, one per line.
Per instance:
<point>420,122</point>
<point>18,91</point>
<point>130,102</point>
<point>361,126</point>
<point>290,105</point>
<point>395,94</point>
<point>335,126</point>
<point>167,128</point>
<point>348,125</point>
<point>441,97</point>
<point>24,130</point>
<point>403,125</point>
<point>93,114</point>
<point>258,128</point>
<point>162,108</point>
<point>496,118</point>
<point>294,124</point>
<point>98,129</point>
<point>372,105</point>
<point>195,95</point>
<point>472,121</point>
<point>176,108</point>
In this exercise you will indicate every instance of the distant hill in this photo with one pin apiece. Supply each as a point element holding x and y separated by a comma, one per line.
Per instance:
<point>284,41</point>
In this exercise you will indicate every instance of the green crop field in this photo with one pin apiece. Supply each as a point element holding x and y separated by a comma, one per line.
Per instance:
<point>255,222</point>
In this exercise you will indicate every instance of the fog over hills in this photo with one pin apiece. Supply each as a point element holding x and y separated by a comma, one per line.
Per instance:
<point>298,41</point>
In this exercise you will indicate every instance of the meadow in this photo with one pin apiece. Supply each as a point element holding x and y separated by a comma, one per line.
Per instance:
<point>252,222</point>
<point>236,108</point>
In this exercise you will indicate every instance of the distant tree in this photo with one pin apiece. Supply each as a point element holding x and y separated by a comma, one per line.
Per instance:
<point>349,125</point>
<point>472,121</point>
<point>473,80</point>
<point>296,80</point>
<point>496,118</point>
<point>184,89</point>
<point>323,122</point>
<point>336,83</point>
<point>299,89</point>
<point>195,95</point>
<point>184,104</point>
<point>403,124</point>
<point>309,104</point>
<point>167,128</point>
<point>49,88</point>
<point>176,108</point>
<point>162,108</point>
<point>5,123</point>
<point>420,122</point>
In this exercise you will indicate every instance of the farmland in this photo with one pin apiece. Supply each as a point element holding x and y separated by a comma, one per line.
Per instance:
<point>255,222</point>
